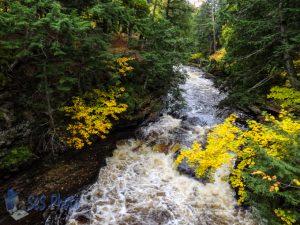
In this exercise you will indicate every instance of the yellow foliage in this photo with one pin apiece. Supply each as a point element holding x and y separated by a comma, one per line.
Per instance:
<point>93,24</point>
<point>275,184</point>
<point>124,67</point>
<point>297,63</point>
<point>86,15</point>
<point>297,182</point>
<point>285,217</point>
<point>226,34</point>
<point>218,55</point>
<point>226,138</point>
<point>204,161</point>
<point>197,55</point>
<point>216,152</point>
<point>91,116</point>
<point>273,141</point>
<point>288,97</point>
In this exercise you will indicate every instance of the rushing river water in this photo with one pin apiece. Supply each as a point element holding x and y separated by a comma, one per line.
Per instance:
<point>140,186</point>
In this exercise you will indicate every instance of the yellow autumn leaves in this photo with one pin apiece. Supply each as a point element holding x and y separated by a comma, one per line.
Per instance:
<point>91,116</point>
<point>227,138</point>
<point>198,55</point>
<point>275,185</point>
<point>203,161</point>
<point>218,55</point>
<point>289,98</point>
<point>216,152</point>
<point>123,64</point>
<point>285,216</point>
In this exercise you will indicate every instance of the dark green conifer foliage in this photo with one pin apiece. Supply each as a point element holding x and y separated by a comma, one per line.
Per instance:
<point>264,42</point>
<point>54,50</point>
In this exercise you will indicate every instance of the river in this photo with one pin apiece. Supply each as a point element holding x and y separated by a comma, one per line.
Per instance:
<point>141,186</point>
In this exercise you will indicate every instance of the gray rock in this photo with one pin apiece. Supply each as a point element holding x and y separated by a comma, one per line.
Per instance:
<point>13,134</point>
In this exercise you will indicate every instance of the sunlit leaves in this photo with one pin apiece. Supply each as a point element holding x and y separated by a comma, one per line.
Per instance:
<point>288,97</point>
<point>91,116</point>
<point>274,138</point>
<point>285,216</point>
<point>216,153</point>
<point>218,55</point>
<point>198,55</point>
<point>123,64</point>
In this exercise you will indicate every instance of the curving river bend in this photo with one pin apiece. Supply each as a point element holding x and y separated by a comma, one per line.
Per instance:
<point>140,186</point>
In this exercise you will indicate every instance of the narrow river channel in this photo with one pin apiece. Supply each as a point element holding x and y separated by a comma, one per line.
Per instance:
<point>141,186</point>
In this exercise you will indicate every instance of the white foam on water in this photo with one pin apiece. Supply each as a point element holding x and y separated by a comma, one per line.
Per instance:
<point>142,187</point>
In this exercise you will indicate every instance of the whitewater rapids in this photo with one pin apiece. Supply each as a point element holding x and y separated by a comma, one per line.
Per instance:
<point>140,186</point>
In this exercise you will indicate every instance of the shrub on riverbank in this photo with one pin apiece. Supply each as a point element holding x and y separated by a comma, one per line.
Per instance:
<point>266,174</point>
<point>52,51</point>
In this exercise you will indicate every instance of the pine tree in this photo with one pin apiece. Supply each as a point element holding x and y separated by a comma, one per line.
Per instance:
<point>263,45</point>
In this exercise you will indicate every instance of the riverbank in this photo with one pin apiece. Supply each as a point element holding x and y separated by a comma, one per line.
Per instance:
<point>75,171</point>
<point>71,172</point>
<point>141,185</point>
<point>254,110</point>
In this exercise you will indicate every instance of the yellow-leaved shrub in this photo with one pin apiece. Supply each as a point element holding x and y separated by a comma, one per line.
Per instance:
<point>285,217</point>
<point>91,116</point>
<point>123,65</point>
<point>198,55</point>
<point>289,98</point>
<point>220,142</point>
<point>273,137</point>
<point>218,55</point>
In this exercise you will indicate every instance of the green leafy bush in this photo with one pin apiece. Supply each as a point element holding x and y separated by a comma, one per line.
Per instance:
<point>15,157</point>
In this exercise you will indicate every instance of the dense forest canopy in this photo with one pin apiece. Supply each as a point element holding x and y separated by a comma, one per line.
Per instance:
<point>261,41</point>
<point>71,70</point>
<point>53,51</point>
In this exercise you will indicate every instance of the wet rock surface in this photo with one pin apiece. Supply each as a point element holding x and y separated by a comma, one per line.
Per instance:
<point>67,175</point>
<point>140,185</point>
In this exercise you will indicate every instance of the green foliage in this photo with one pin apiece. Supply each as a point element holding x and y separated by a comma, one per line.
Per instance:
<point>203,29</point>
<point>54,50</point>
<point>259,190</point>
<point>262,42</point>
<point>15,157</point>
<point>255,47</point>
<point>204,26</point>
<point>266,175</point>
<point>3,80</point>
<point>180,14</point>
<point>140,6</point>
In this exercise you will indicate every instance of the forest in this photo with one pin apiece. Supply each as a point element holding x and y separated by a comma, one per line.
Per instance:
<point>74,71</point>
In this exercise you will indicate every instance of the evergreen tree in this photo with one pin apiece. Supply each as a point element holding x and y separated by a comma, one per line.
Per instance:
<point>179,13</point>
<point>52,51</point>
<point>262,46</point>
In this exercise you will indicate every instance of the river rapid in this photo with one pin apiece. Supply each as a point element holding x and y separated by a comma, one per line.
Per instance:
<point>141,186</point>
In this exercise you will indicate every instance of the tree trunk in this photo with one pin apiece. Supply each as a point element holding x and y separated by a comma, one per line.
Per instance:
<point>130,31</point>
<point>213,26</point>
<point>154,9</point>
<point>168,9</point>
<point>146,81</point>
<point>292,76</point>
<point>105,26</point>
<point>50,114</point>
